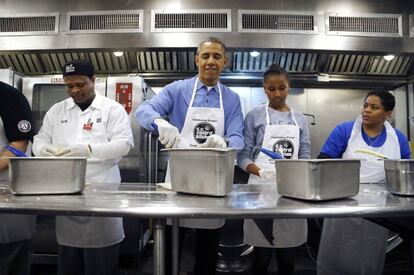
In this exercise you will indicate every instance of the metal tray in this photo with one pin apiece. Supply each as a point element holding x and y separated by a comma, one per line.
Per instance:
<point>400,176</point>
<point>202,171</point>
<point>318,179</point>
<point>47,175</point>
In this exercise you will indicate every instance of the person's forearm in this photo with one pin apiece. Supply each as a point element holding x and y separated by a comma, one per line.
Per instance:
<point>110,150</point>
<point>253,169</point>
<point>19,145</point>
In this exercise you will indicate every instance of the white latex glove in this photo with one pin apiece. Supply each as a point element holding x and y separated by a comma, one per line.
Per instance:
<point>77,150</point>
<point>168,134</point>
<point>213,141</point>
<point>267,174</point>
<point>48,151</point>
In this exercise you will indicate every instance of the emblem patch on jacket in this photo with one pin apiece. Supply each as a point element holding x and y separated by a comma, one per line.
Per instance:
<point>24,126</point>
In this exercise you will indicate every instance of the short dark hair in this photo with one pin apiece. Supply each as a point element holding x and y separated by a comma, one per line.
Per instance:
<point>387,99</point>
<point>275,69</point>
<point>211,39</point>
<point>78,67</point>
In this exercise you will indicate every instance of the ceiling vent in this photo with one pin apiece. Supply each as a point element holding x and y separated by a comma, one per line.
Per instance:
<point>191,21</point>
<point>263,21</point>
<point>291,61</point>
<point>359,64</point>
<point>166,61</point>
<point>29,24</point>
<point>379,25</point>
<point>126,21</point>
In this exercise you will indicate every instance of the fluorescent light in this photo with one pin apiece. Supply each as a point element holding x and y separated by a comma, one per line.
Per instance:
<point>389,57</point>
<point>118,54</point>
<point>254,54</point>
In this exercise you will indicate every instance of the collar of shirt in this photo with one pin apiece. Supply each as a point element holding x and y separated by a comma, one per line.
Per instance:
<point>96,103</point>
<point>201,85</point>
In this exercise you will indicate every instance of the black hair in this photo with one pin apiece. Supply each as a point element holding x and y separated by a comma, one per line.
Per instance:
<point>211,39</point>
<point>387,99</point>
<point>275,69</point>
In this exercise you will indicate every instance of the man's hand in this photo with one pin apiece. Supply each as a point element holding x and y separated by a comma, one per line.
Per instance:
<point>48,151</point>
<point>214,141</point>
<point>168,134</point>
<point>77,150</point>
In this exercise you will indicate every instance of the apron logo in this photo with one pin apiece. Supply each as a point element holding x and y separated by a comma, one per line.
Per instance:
<point>202,131</point>
<point>285,147</point>
<point>24,126</point>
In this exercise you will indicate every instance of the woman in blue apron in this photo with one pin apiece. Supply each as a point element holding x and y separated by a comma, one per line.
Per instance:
<point>277,127</point>
<point>355,245</point>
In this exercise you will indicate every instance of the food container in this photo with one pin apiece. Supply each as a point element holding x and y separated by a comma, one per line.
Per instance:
<point>47,175</point>
<point>202,171</point>
<point>400,176</point>
<point>318,179</point>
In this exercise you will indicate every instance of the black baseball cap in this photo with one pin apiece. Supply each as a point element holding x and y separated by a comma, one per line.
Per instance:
<point>78,67</point>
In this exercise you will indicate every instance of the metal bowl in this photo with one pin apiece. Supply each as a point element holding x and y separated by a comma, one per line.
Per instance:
<point>400,176</point>
<point>202,171</point>
<point>318,179</point>
<point>35,175</point>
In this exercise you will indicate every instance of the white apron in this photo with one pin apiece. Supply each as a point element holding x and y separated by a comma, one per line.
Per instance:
<point>13,227</point>
<point>283,232</point>
<point>355,245</point>
<point>201,122</point>
<point>83,231</point>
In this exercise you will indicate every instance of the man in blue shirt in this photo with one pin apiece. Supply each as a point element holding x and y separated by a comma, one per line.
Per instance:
<point>201,112</point>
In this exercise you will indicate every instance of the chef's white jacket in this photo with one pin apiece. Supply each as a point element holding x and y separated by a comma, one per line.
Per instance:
<point>110,138</point>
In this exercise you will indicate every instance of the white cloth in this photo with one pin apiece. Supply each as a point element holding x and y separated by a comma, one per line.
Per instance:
<point>286,232</point>
<point>110,138</point>
<point>372,168</point>
<point>13,227</point>
<point>355,245</point>
<point>201,122</point>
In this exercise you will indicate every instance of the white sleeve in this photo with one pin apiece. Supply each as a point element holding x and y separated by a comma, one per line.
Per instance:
<point>119,135</point>
<point>44,137</point>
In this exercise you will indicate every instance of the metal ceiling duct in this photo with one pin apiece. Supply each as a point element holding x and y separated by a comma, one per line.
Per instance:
<point>160,37</point>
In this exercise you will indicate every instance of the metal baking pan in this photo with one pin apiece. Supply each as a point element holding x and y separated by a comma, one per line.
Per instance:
<point>318,179</point>
<point>400,176</point>
<point>47,175</point>
<point>202,171</point>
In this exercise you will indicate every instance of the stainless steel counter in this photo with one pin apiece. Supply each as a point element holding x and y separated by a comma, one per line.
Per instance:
<point>245,201</point>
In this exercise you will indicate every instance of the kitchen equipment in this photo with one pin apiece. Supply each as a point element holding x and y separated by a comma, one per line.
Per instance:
<point>47,175</point>
<point>400,176</point>
<point>15,151</point>
<point>273,155</point>
<point>202,171</point>
<point>317,179</point>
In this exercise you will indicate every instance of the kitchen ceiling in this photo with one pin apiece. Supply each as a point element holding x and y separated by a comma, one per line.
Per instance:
<point>318,41</point>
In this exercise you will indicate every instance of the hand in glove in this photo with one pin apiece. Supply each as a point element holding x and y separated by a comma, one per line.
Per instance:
<point>168,134</point>
<point>267,174</point>
<point>213,141</point>
<point>48,151</point>
<point>77,150</point>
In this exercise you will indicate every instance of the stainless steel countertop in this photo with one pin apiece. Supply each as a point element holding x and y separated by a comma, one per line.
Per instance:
<point>245,201</point>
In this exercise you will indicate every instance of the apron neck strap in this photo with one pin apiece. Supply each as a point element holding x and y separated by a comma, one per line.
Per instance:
<point>195,91</point>
<point>290,112</point>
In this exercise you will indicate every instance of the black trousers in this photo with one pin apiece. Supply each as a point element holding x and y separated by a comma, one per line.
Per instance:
<point>206,249</point>
<point>88,261</point>
<point>15,258</point>
<point>285,260</point>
